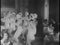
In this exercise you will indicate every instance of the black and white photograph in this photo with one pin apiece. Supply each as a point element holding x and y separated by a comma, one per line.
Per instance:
<point>38,23</point>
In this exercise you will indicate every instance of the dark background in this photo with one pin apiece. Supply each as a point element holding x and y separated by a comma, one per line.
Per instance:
<point>36,6</point>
